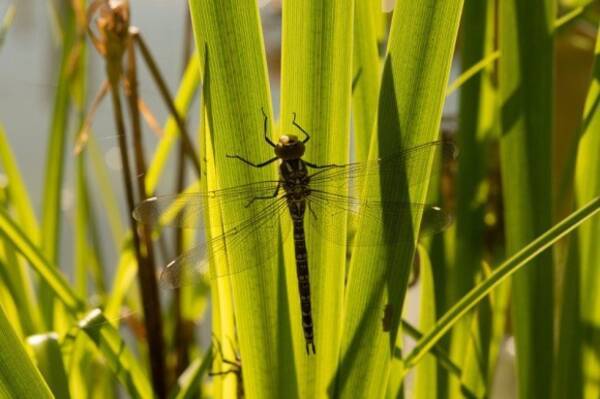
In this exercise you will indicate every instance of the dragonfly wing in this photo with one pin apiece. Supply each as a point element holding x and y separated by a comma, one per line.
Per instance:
<point>383,222</point>
<point>187,209</point>
<point>409,165</point>
<point>255,237</point>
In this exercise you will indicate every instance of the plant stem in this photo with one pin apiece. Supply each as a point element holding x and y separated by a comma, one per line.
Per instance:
<point>146,279</point>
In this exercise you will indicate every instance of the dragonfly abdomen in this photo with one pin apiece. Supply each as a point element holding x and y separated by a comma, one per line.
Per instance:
<point>303,282</point>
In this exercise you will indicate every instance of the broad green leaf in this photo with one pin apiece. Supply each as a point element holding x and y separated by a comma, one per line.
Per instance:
<point>526,93</point>
<point>366,73</point>
<point>48,358</point>
<point>412,93</point>
<point>500,274</point>
<point>316,84</point>
<point>587,187</point>
<point>19,378</point>
<point>235,90</point>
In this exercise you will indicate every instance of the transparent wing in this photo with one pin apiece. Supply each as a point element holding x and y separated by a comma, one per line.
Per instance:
<point>186,210</point>
<point>255,237</point>
<point>413,162</point>
<point>387,221</point>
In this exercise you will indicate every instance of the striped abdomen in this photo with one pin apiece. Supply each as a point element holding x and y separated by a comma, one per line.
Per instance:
<point>303,282</point>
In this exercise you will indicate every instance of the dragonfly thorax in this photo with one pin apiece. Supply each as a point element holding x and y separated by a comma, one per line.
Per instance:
<point>289,147</point>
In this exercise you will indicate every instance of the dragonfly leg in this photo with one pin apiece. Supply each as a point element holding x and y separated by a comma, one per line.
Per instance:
<point>300,128</point>
<point>265,196</point>
<point>218,373</point>
<point>256,165</point>
<point>266,124</point>
<point>329,165</point>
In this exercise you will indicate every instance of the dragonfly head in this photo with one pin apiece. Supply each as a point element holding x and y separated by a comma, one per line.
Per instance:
<point>289,147</point>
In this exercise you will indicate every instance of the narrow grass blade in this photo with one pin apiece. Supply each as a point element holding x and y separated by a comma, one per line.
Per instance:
<point>235,90</point>
<point>108,197</point>
<point>13,234</point>
<point>365,74</point>
<point>477,123</point>
<point>526,91</point>
<point>500,274</point>
<point>6,22</point>
<point>185,95</point>
<point>16,188</point>
<point>412,93</point>
<point>55,160</point>
<point>588,186</point>
<point>316,83</point>
<point>19,378</point>
<point>48,357</point>
<point>188,384</point>
<point>426,386</point>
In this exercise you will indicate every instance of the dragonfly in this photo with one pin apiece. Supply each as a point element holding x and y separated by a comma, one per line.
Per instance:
<point>319,198</point>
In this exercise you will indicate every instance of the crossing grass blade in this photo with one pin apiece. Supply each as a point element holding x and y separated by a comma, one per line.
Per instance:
<point>16,276</point>
<point>500,274</point>
<point>19,378</point>
<point>412,93</point>
<point>526,91</point>
<point>235,89</point>
<point>123,363</point>
<point>316,80</point>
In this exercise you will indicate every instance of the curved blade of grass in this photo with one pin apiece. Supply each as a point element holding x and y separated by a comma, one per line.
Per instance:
<point>19,378</point>
<point>412,93</point>
<point>526,85</point>
<point>316,83</point>
<point>472,71</point>
<point>107,338</point>
<point>587,186</point>
<point>48,357</point>
<point>235,89</point>
<point>500,274</point>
